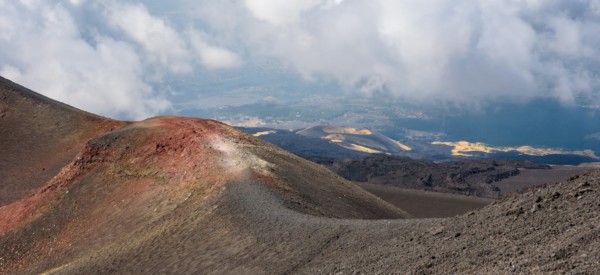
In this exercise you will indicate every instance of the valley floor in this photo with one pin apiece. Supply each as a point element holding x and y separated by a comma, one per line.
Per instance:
<point>424,204</point>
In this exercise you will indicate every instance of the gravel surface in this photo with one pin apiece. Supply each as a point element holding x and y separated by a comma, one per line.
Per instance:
<point>547,230</point>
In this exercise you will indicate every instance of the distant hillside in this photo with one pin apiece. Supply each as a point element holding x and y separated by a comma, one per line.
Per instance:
<point>467,177</point>
<point>538,154</point>
<point>326,142</point>
<point>304,146</point>
<point>476,176</point>
<point>362,140</point>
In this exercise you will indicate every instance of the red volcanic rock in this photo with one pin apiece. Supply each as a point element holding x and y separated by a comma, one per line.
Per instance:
<point>132,178</point>
<point>175,148</point>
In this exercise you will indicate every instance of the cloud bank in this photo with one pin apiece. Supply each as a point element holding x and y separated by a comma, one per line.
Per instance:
<point>442,50</point>
<point>108,56</point>
<point>101,56</point>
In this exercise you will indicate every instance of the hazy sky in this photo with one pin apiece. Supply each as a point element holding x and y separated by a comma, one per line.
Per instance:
<point>110,57</point>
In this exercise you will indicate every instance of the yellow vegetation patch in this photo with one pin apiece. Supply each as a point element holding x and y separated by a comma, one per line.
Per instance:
<point>367,143</point>
<point>402,146</point>
<point>332,137</point>
<point>264,133</point>
<point>356,147</point>
<point>245,122</point>
<point>344,130</point>
<point>463,148</point>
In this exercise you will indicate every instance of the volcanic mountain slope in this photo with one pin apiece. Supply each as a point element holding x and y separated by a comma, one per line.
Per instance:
<point>38,136</point>
<point>129,187</point>
<point>323,142</point>
<point>184,195</point>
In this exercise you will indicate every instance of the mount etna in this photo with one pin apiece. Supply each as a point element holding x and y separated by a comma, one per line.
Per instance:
<point>84,194</point>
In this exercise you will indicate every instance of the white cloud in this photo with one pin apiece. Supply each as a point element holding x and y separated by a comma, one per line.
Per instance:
<point>77,2</point>
<point>48,55</point>
<point>100,56</point>
<point>163,45</point>
<point>442,50</point>
<point>463,52</point>
<point>279,12</point>
<point>210,56</point>
<point>568,38</point>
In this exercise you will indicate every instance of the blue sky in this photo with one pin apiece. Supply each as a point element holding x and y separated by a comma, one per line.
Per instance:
<point>117,58</point>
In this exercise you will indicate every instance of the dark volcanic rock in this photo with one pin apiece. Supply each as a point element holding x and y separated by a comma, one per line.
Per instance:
<point>470,177</point>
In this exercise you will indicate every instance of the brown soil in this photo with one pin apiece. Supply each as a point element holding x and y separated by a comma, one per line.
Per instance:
<point>39,136</point>
<point>424,204</point>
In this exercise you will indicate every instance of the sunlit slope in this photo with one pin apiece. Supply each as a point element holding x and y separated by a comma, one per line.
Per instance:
<point>468,149</point>
<point>363,140</point>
